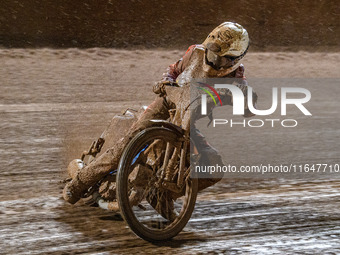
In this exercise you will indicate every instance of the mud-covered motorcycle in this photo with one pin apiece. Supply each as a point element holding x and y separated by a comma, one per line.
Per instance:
<point>153,187</point>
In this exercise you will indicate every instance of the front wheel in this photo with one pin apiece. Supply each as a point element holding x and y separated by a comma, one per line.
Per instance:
<point>152,211</point>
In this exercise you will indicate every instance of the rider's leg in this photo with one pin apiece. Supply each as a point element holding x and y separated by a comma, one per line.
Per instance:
<point>209,157</point>
<point>109,160</point>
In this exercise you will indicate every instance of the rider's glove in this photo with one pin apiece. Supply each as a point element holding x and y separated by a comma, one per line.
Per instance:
<point>227,98</point>
<point>159,87</point>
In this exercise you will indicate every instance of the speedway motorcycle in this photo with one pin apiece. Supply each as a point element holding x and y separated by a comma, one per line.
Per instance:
<point>153,187</point>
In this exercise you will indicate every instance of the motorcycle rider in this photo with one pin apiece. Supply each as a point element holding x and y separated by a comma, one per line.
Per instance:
<point>218,56</point>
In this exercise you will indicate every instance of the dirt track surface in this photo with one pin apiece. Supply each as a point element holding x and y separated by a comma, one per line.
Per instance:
<point>53,103</point>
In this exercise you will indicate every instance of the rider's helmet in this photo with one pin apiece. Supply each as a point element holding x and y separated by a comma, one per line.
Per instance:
<point>225,46</point>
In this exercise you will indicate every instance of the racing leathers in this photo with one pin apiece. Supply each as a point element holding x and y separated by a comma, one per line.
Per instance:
<point>191,65</point>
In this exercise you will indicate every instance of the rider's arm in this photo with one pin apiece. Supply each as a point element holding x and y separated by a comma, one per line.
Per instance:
<point>173,71</point>
<point>241,82</point>
<point>238,79</point>
<point>177,68</point>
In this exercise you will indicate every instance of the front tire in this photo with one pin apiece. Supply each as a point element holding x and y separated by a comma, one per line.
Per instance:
<point>130,213</point>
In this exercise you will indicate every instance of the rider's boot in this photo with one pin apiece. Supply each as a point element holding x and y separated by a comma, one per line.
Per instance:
<point>74,167</point>
<point>93,173</point>
<point>164,203</point>
<point>209,157</point>
<point>73,191</point>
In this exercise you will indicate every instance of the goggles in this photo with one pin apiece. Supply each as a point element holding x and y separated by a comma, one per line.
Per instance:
<point>218,62</point>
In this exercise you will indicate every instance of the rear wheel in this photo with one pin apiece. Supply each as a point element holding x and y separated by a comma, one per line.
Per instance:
<point>152,211</point>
